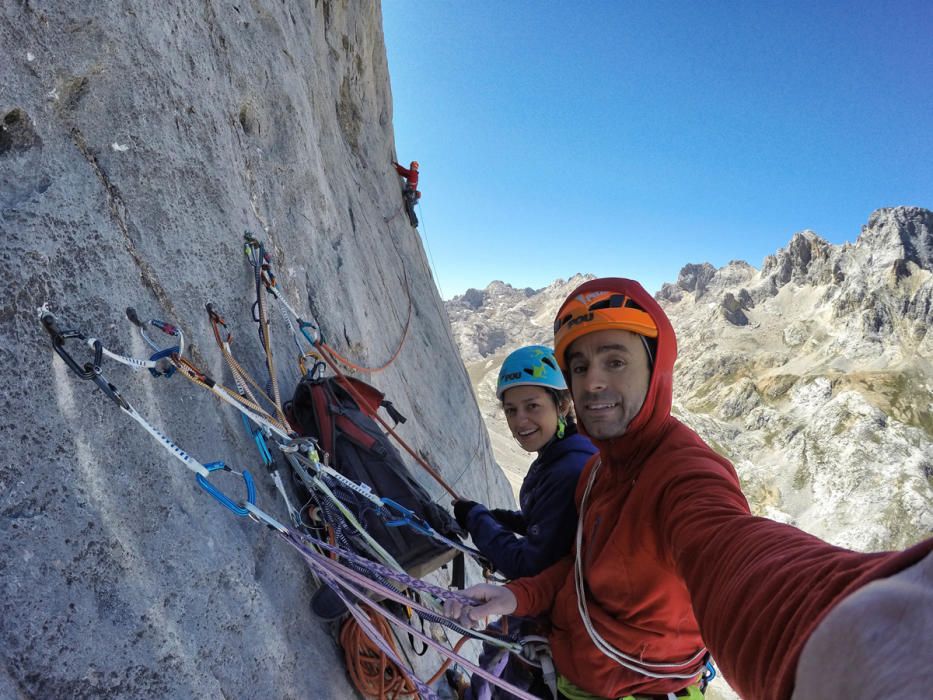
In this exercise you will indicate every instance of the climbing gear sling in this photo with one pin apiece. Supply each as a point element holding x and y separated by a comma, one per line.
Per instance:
<point>349,582</point>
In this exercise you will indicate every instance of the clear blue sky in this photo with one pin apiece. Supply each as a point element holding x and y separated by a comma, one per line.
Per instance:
<point>630,138</point>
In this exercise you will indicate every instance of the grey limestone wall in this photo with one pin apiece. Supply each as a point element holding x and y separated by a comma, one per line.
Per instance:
<point>138,141</point>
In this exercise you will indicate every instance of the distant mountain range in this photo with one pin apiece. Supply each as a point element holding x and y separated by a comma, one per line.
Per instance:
<point>812,373</point>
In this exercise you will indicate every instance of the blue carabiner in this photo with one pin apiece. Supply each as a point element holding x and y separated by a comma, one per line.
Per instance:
<point>260,441</point>
<point>161,355</point>
<point>407,518</point>
<point>303,326</point>
<point>221,497</point>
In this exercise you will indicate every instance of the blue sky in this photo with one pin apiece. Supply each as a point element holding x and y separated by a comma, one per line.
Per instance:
<point>630,138</point>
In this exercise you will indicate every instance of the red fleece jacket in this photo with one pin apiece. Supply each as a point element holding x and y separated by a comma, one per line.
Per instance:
<point>672,559</point>
<point>410,175</point>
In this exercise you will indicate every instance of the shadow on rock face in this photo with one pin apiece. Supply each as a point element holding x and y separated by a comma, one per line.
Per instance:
<point>17,134</point>
<point>21,176</point>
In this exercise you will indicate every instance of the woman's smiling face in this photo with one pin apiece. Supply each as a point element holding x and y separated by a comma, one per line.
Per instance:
<point>532,415</point>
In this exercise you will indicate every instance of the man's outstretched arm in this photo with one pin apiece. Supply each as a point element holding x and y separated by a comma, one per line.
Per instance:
<point>876,643</point>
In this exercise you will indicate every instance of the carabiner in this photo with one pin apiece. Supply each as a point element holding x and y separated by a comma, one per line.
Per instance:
<point>50,323</point>
<point>225,501</point>
<point>303,326</point>
<point>407,517</point>
<point>157,368</point>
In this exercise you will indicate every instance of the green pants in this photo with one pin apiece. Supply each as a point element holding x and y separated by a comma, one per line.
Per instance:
<point>572,692</point>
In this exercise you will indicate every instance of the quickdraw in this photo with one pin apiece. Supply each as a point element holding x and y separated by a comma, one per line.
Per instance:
<point>265,424</point>
<point>258,432</point>
<point>92,371</point>
<point>345,580</point>
<point>262,271</point>
<point>262,265</point>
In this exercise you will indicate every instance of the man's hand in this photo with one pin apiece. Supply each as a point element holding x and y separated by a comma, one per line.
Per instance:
<point>886,626</point>
<point>492,600</point>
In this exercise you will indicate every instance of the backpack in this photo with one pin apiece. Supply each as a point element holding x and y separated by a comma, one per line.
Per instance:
<point>326,411</point>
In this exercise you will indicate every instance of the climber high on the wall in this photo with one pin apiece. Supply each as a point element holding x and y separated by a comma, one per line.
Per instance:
<point>410,193</point>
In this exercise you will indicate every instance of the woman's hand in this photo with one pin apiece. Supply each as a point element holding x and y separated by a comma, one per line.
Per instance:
<point>462,510</point>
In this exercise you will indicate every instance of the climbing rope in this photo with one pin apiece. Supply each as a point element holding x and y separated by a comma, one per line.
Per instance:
<point>373,370</point>
<point>423,230</point>
<point>371,672</point>
<point>345,580</point>
<point>682,669</point>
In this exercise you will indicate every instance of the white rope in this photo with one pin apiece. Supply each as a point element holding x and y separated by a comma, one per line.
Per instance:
<point>627,661</point>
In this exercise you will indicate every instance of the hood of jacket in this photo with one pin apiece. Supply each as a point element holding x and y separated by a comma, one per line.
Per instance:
<point>653,420</point>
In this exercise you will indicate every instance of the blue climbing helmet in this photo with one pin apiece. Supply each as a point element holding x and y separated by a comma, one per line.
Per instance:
<point>533,365</point>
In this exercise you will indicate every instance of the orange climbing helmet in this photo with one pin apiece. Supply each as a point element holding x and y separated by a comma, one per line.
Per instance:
<point>598,311</point>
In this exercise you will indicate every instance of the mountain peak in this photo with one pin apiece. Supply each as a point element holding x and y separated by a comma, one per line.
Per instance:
<point>501,316</point>
<point>900,233</point>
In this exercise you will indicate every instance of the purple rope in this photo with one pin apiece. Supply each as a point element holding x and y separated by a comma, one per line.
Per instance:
<point>338,573</point>
<point>346,573</point>
<point>367,626</point>
<point>399,576</point>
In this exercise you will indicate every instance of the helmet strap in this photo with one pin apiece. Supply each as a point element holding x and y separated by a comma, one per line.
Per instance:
<point>644,341</point>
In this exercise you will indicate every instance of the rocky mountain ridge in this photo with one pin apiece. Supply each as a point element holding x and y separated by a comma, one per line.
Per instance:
<point>499,316</point>
<point>814,374</point>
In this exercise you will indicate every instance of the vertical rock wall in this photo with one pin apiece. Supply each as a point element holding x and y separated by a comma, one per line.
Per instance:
<point>138,141</point>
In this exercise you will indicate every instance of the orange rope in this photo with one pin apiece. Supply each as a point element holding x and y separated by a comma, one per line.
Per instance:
<point>371,672</point>
<point>372,370</point>
<point>447,662</point>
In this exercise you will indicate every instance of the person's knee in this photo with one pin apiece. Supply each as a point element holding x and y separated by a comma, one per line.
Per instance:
<point>877,641</point>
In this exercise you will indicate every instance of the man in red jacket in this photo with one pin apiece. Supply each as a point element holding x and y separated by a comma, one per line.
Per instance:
<point>410,193</point>
<point>669,563</point>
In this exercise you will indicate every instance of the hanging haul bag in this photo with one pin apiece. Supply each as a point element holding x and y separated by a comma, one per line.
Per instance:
<point>358,449</point>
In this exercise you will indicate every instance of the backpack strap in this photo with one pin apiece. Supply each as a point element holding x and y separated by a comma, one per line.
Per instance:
<point>320,402</point>
<point>356,434</point>
<point>458,572</point>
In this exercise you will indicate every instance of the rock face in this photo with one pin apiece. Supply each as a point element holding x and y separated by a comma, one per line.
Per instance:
<point>137,142</point>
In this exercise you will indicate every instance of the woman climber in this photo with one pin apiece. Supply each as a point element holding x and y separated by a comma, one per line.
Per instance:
<point>538,410</point>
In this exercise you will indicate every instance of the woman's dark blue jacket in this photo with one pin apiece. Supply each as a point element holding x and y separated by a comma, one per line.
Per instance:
<point>548,516</point>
